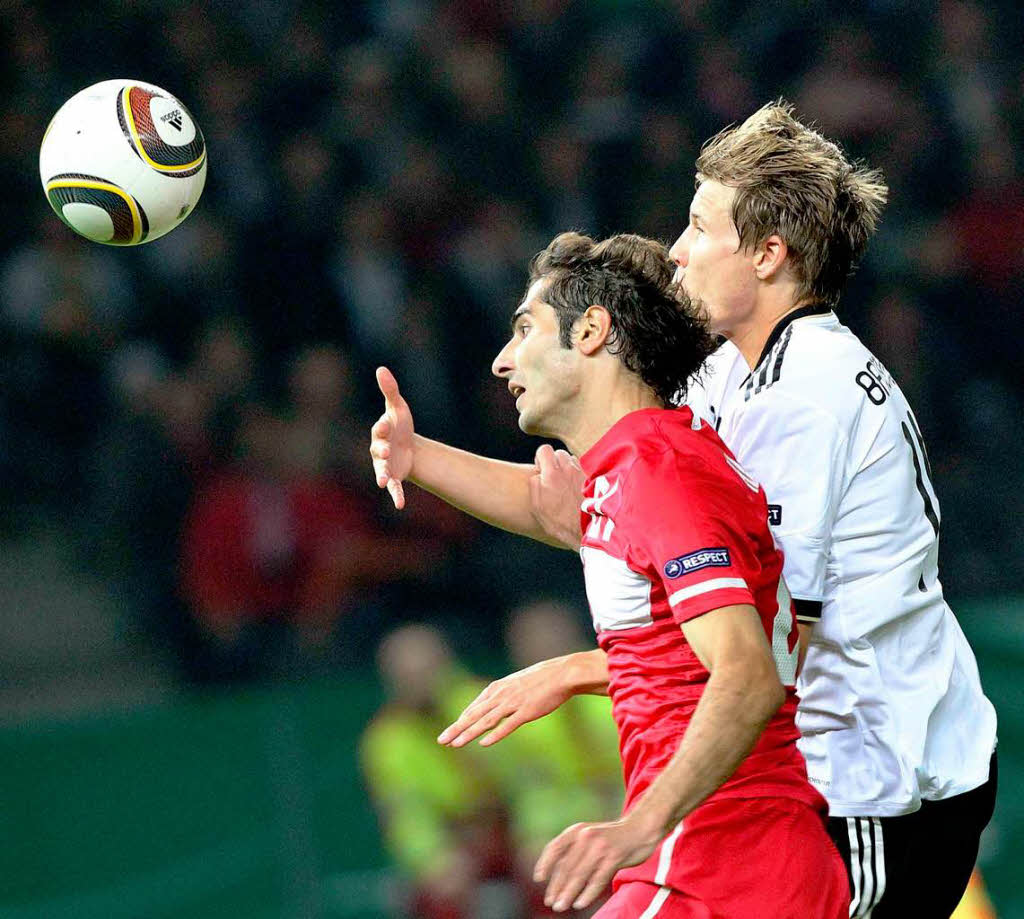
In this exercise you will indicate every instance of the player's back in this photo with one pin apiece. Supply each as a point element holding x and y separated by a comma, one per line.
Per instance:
<point>673,529</point>
<point>890,695</point>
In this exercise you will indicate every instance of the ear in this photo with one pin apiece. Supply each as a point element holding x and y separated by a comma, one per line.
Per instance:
<point>593,329</point>
<point>770,257</point>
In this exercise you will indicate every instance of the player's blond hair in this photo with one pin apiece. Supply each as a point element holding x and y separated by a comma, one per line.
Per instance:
<point>793,182</point>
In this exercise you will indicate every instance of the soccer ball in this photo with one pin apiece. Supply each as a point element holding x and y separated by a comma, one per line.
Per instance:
<point>122,162</point>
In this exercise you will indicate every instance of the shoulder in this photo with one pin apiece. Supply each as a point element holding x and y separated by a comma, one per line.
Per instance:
<point>814,368</point>
<point>662,436</point>
<point>679,457</point>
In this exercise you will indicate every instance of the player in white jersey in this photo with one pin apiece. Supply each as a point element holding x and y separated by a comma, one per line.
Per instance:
<point>896,730</point>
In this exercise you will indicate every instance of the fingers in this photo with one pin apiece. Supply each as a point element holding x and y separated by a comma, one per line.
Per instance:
<point>482,726</point>
<point>503,730</point>
<point>388,385</point>
<point>397,493</point>
<point>476,709</point>
<point>474,721</point>
<point>553,851</point>
<point>381,470</point>
<point>594,888</point>
<point>380,452</point>
<point>547,457</point>
<point>579,863</point>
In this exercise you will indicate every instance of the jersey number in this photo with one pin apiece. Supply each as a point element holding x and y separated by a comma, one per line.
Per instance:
<point>876,381</point>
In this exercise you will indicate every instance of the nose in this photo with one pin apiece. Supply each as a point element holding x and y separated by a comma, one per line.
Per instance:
<point>680,251</point>
<point>504,364</point>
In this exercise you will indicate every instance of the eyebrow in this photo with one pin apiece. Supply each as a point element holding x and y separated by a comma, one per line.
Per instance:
<point>522,310</point>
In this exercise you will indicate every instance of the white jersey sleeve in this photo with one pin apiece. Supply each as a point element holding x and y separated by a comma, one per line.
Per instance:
<point>801,450</point>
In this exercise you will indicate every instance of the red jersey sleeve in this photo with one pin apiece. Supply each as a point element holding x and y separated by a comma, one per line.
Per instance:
<point>688,534</point>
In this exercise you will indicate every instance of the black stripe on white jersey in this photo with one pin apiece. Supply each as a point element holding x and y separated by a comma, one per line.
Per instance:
<point>771,367</point>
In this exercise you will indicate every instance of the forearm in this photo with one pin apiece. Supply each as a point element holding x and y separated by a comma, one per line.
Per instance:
<point>494,491</point>
<point>732,712</point>
<point>805,630</point>
<point>587,672</point>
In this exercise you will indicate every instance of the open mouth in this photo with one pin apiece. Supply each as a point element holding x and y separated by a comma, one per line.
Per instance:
<point>516,390</point>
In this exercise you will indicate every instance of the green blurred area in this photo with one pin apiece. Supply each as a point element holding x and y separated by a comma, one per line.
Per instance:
<point>251,804</point>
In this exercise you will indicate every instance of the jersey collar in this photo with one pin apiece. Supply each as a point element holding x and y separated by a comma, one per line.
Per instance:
<point>812,309</point>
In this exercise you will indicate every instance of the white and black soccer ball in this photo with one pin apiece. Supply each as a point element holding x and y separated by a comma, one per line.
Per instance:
<point>122,162</point>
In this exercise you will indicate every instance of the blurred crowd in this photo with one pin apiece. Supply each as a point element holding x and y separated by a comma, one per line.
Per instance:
<point>194,413</point>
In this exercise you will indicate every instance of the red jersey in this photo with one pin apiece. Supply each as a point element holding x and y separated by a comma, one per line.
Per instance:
<point>674,528</point>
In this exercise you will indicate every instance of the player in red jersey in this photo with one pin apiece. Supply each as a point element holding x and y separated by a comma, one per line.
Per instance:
<point>683,580</point>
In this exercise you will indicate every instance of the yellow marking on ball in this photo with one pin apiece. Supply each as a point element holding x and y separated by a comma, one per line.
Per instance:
<point>105,186</point>
<point>159,167</point>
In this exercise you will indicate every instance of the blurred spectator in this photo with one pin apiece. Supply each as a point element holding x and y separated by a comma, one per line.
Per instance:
<point>564,768</point>
<point>63,306</point>
<point>442,820</point>
<point>367,269</point>
<point>272,553</point>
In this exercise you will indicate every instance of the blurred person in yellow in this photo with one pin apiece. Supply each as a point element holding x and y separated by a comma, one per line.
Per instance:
<point>975,903</point>
<point>441,818</point>
<point>564,768</point>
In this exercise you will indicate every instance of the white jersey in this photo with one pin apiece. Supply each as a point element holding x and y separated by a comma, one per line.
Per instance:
<point>891,709</point>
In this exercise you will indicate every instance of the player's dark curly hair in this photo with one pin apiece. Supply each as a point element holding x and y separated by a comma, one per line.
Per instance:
<point>656,331</point>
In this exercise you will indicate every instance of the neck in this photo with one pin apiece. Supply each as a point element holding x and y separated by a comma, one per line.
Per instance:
<point>605,406</point>
<point>751,336</point>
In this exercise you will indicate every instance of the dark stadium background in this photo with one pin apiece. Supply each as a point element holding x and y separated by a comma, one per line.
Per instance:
<point>379,173</point>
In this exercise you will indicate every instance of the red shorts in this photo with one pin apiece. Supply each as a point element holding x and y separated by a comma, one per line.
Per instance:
<point>738,858</point>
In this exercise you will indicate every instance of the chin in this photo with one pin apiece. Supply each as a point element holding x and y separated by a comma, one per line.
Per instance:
<point>532,426</point>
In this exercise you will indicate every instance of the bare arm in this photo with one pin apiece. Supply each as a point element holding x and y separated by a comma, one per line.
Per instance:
<point>740,697</point>
<point>528,695</point>
<point>495,491</point>
<point>805,629</point>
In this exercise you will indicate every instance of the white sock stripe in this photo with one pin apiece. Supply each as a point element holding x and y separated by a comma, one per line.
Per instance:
<point>879,861</point>
<point>697,589</point>
<point>867,860</point>
<point>656,903</point>
<point>851,829</point>
<point>665,856</point>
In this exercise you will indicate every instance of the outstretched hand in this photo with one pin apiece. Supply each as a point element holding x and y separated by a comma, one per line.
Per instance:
<point>391,439</point>
<point>508,703</point>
